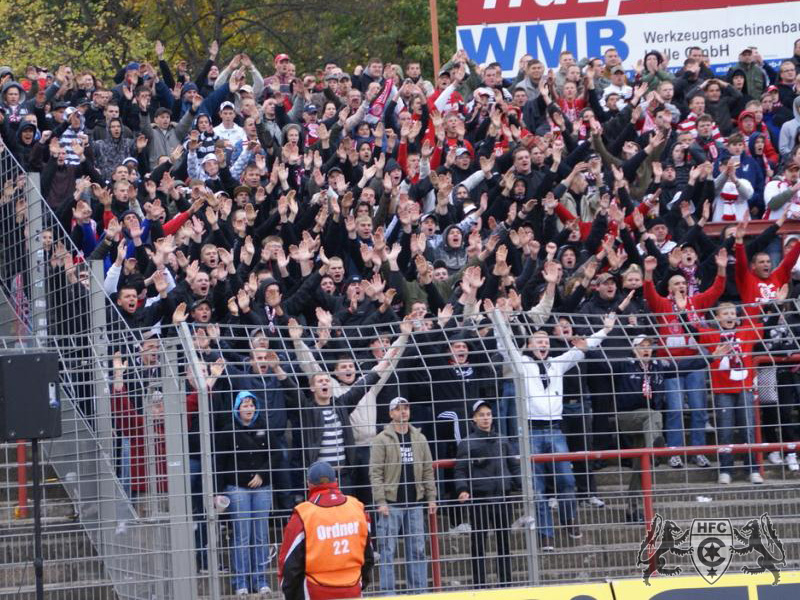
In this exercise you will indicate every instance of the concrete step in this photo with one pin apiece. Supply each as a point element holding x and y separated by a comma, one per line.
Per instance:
<point>59,542</point>
<point>52,508</point>
<point>88,589</point>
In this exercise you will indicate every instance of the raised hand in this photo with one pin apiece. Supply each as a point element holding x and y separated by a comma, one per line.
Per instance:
<point>650,264</point>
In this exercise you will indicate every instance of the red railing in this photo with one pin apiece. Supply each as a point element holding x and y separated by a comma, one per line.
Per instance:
<point>645,455</point>
<point>21,511</point>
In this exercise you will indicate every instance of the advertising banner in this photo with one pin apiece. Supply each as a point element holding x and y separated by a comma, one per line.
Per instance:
<point>505,30</point>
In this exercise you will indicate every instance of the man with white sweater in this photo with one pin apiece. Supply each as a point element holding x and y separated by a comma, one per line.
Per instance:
<point>544,383</point>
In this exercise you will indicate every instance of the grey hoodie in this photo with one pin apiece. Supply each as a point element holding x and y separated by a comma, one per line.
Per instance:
<point>788,136</point>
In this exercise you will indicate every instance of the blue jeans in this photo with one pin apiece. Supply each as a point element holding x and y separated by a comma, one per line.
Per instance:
<point>693,384</point>
<point>125,465</point>
<point>547,441</point>
<point>734,412</point>
<point>410,521</point>
<point>249,512</point>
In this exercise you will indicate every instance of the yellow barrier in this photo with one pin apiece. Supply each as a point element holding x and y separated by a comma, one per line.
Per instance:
<point>589,591</point>
<point>732,586</point>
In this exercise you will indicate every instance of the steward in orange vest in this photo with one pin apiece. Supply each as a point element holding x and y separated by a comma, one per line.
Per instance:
<point>326,551</point>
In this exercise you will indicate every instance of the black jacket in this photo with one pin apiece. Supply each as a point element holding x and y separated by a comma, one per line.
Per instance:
<point>241,452</point>
<point>485,465</point>
<point>312,421</point>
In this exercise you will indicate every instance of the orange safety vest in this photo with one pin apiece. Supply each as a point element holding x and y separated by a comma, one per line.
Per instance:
<point>336,537</point>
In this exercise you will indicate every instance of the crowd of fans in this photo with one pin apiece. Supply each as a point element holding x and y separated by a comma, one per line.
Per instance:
<point>338,241</point>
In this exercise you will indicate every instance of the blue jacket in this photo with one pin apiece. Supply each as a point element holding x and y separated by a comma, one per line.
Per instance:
<point>629,378</point>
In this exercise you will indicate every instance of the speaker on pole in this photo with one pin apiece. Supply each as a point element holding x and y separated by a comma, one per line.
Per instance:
<point>30,409</point>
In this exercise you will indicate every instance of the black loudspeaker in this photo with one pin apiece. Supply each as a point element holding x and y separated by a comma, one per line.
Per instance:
<point>30,407</point>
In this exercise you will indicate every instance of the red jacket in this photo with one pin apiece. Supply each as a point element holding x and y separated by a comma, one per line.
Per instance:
<point>755,290</point>
<point>674,341</point>
<point>745,336</point>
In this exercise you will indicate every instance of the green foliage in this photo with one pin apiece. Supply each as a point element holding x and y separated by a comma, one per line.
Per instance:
<point>99,35</point>
<point>102,35</point>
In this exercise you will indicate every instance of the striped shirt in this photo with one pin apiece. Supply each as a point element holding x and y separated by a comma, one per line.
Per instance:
<point>332,449</point>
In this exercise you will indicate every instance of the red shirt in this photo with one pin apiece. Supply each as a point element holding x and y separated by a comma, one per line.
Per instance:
<point>756,290</point>
<point>673,334</point>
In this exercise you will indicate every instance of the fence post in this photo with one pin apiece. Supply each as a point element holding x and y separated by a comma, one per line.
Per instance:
<point>181,536</point>
<point>503,331</point>
<point>37,266</point>
<point>204,416</point>
<point>101,420</point>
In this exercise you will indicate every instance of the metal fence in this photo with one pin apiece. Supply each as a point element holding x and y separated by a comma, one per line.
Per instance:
<point>144,469</point>
<point>148,493</point>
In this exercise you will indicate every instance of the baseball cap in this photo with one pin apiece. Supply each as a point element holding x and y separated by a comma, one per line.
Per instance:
<point>209,157</point>
<point>241,189</point>
<point>483,91</point>
<point>310,108</point>
<point>461,151</point>
<point>640,338</point>
<point>226,104</point>
<point>478,403</point>
<point>246,88</point>
<point>130,159</point>
<point>281,57</point>
<point>321,472</point>
<point>603,277</point>
<point>70,111</point>
<point>617,69</point>
<point>397,402</point>
<point>200,302</point>
<point>771,88</point>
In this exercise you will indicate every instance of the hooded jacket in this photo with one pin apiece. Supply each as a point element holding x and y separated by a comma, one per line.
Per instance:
<point>789,131</point>
<point>14,113</point>
<point>110,152</point>
<point>754,77</point>
<point>761,129</point>
<point>243,451</point>
<point>454,258</point>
